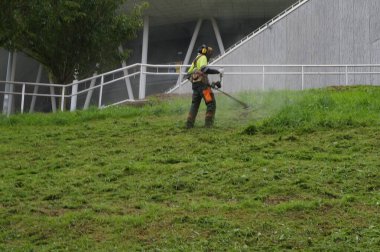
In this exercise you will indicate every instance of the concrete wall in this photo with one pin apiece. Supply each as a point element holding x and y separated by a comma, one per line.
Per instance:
<point>319,32</point>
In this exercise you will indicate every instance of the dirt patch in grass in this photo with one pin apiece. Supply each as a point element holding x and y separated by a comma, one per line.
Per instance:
<point>275,200</point>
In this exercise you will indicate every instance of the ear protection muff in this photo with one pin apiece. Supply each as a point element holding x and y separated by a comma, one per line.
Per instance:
<point>203,49</point>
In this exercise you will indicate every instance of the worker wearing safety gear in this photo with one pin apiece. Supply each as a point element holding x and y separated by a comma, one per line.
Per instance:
<point>197,75</point>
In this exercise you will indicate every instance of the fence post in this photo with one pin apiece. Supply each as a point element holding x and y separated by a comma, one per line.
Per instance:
<point>263,84</point>
<point>303,77</point>
<point>346,75</point>
<point>142,82</point>
<point>101,91</point>
<point>23,98</point>
<point>74,96</point>
<point>63,98</point>
<point>144,58</point>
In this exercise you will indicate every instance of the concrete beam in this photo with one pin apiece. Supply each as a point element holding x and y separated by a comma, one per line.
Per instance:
<point>191,48</point>
<point>217,35</point>
<point>126,79</point>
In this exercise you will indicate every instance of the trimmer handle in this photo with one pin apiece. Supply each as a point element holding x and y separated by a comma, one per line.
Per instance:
<point>221,72</point>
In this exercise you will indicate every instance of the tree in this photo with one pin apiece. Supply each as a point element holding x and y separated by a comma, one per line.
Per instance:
<point>65,36</point>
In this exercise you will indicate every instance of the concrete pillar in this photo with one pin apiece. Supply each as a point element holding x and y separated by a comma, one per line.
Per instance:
<point>11,70</point>
<point>53,100</point>
<point>9,87</point>
<point>35,90</point>
<point>90,92</point>
<point>191,48</point>
<point>7,78</point>
<point>74,96</point>
<point>144,58</point>
<point>218,36</point>
<point>127,81</point>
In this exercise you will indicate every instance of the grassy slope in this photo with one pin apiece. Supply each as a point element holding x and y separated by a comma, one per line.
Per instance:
<point>299,172</point>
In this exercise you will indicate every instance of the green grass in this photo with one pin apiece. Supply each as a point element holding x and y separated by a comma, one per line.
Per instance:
<point>299,171</point>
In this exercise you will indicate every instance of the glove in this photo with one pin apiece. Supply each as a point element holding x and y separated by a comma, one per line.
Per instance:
<point>221,72</point>
<point>187,76</point>
<point>216,84</point>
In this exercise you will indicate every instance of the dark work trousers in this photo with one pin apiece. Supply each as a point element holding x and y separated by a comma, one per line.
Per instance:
<point>202,91</point>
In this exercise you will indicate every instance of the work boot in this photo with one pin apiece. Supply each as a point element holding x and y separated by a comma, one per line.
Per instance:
<point>209,119</point>
<point>189,125</point>
<point>190,120</point>
<point>209,122</point>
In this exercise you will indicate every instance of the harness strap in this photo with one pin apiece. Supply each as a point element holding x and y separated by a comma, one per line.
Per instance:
<point>195,61</point>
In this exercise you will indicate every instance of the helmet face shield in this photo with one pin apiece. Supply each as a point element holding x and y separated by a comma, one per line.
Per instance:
<point>210,51</point>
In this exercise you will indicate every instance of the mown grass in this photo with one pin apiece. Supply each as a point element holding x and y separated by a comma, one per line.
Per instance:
<point>298,171</point>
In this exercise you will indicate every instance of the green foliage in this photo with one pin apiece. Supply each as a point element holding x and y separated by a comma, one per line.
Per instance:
<point>310,110</point>
<point>134,179</point>
<point>67,35</point>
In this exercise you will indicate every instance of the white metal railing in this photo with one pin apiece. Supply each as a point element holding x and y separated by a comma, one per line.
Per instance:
<point>262,71</point>
<point>296,70</point>
<point>140,73</point>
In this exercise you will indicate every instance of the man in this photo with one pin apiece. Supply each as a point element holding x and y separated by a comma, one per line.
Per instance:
<point>197,74</point>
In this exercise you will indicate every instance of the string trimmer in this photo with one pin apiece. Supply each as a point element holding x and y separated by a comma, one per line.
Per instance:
<point>217,85</point>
